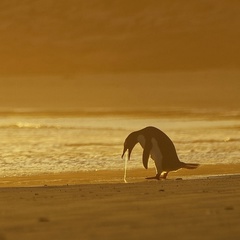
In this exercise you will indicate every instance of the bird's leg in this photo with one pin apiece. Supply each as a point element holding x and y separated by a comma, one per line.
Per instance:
<point>164,175</point>
<point>158,176</point>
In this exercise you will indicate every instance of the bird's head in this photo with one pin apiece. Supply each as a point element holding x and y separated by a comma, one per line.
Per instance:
<point>129,143</point>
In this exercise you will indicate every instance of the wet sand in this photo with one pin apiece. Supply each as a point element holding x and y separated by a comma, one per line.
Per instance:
<point>198,204</point>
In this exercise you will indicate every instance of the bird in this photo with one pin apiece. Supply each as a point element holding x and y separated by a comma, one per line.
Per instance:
<point>159,146</point>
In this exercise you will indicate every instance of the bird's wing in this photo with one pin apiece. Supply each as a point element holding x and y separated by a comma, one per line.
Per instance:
<point>146,153</point>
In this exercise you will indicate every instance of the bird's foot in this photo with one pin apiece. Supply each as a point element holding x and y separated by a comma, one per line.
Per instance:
<point>156,177</point>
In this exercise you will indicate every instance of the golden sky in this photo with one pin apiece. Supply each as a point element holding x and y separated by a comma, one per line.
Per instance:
<point>108,39</point>
<point>57,36</point>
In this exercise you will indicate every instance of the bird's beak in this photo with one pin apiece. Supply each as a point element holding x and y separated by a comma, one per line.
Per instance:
<point>124,150</point>
<point>129,152</point>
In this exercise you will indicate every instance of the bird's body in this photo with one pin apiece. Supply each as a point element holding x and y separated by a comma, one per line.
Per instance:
<point>159,146</point>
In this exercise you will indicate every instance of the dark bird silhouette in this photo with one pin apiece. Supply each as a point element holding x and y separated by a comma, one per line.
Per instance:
<point>159,146</point>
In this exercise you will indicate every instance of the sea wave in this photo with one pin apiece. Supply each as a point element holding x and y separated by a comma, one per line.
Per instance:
<point>47,126</point>
<point>56,144</point>
<point>209,140</point>
<point>141,112</point>
<point>92,144</point>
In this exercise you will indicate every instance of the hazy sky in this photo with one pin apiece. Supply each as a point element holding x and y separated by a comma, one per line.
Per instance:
<point>55,36</point>
<point>118,38</point>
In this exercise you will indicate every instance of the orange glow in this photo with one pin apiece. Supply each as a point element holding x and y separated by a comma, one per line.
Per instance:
<point>121,54</point>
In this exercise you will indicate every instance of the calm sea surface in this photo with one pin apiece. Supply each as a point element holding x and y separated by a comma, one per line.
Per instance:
<point>36,144</point>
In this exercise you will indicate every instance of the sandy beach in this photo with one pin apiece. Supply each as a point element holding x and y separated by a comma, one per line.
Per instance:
<point>203,203</point>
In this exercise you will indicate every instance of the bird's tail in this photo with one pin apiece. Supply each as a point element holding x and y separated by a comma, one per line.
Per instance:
<point>190,165</point>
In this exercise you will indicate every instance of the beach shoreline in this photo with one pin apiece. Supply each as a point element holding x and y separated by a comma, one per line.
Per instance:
<point>114,176</point>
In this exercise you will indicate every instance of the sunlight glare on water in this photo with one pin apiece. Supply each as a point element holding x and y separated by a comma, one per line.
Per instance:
<point>32,145</point>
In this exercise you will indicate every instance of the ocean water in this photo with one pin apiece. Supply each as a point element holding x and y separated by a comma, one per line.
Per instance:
<point>50,144</point>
